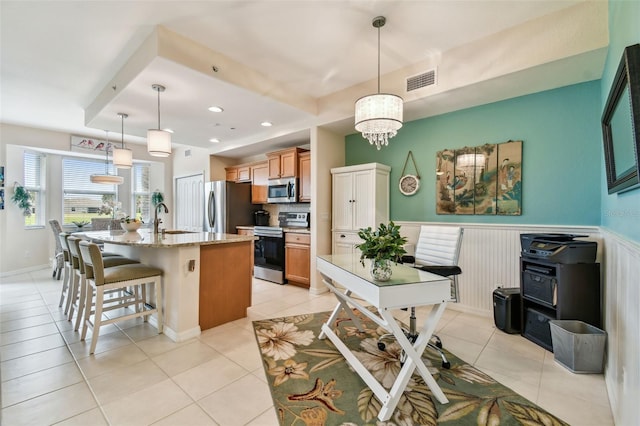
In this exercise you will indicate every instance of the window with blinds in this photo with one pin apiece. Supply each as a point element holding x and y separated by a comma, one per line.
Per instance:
<point>33,164</point>
<point>84,200</point>
<point>141,192</point>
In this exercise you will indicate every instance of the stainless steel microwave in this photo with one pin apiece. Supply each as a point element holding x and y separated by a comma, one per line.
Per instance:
<point>282,191</point>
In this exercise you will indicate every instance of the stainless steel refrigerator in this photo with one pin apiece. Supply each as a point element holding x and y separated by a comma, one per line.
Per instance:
<point>227,205</point>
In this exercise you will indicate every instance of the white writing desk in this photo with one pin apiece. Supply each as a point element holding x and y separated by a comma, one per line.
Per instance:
<point>408,287</point>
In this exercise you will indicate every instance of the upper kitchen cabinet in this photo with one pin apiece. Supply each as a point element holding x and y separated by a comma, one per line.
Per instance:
<point>360,196</point>
<point>259,181</point>
<point>304,169</point>
<point>238,173</point>
<point>283,163</point>
<point>231,173</point>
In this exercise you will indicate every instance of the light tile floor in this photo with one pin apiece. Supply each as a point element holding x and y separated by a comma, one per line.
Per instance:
<point>138,377</point>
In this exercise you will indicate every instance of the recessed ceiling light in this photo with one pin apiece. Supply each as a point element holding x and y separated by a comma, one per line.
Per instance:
<point>266,124</point>
<point>168,130</point>
<point>214,140</point>
<point>215,108</point>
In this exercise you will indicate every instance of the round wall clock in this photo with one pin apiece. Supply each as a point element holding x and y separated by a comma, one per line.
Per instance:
<point>409,184</point>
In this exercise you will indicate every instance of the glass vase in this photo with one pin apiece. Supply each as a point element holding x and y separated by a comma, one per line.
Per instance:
<point>381,269</point>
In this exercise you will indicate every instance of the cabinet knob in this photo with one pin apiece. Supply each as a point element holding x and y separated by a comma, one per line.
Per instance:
<point>343,236</point>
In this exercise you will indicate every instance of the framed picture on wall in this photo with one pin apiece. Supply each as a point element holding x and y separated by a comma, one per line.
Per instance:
<point>86,145</point>
<point>480,180</point>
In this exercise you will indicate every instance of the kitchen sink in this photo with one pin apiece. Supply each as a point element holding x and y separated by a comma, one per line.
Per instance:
<point>178,231</point>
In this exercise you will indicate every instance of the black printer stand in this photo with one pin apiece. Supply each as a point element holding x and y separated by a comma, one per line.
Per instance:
<point>557,291</point>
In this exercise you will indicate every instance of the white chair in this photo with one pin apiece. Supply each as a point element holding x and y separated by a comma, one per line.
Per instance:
<point>100,279</point>
<point>437,251</point>
<point>58,256</point>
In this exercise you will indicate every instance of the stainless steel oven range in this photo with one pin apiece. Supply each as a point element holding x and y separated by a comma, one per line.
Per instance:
<point>269,254</point>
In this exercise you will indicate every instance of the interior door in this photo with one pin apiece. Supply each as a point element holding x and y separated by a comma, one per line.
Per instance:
<point>189,202</point>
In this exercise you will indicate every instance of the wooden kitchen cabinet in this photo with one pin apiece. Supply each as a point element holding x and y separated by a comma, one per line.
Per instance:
<point>259,182</point>
<point>304,169</point>
<point>238,173</point>
<point>231,174</point>
<point>297,254</point>
<point>244,174</point>
<point>283,163</point>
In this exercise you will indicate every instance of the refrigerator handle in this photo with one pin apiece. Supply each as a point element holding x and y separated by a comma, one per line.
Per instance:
<point>211,214</point>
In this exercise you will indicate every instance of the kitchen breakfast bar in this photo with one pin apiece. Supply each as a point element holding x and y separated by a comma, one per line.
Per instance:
<point>207,276</point>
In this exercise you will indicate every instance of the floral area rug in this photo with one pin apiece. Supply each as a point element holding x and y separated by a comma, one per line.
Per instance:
<point>312,384</point>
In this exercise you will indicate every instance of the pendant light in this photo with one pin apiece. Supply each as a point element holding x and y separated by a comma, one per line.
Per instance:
<point>379,116</point>
<point>122,157</point>
<point>158,140</point>
<point>106,178</point>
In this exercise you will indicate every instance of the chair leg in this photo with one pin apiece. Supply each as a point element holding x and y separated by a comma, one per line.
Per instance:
<point>81,303</point>
<point>158,289</point>
<point>70,291</point>
<point>73,294</point>
<point>65,286</point>
<point>97,320</point>
<point>88,305</point>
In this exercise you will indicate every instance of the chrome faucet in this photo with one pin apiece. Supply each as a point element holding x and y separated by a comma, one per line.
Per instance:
<point>157,221</point>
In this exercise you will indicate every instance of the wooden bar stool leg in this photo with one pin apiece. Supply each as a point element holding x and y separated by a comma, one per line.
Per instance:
<point>157,286</point>
<point>81,303</point>
<point>88,303</point>
<point>97,320</point>
<point>71,295</point>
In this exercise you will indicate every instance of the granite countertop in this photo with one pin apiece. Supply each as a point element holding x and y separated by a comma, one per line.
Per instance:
<point>145,238</point>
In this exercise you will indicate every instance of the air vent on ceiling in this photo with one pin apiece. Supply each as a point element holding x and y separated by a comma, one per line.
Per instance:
<point>427,78</point>
<point>187,153</point>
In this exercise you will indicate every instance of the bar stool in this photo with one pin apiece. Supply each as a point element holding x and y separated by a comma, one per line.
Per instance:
<point>78,287</point>
<point>62,237</point>
<point>101,279</point>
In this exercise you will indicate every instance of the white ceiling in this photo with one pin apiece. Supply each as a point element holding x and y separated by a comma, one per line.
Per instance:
<point>71,66</point>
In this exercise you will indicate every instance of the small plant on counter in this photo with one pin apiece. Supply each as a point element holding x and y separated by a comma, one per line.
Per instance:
<point>130,219</point>
<point>80,224</point>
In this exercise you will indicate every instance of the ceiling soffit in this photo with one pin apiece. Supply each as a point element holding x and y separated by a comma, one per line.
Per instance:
<point>565,47</point>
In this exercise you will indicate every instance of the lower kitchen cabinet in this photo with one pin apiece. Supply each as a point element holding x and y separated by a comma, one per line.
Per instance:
<point>297,252</point>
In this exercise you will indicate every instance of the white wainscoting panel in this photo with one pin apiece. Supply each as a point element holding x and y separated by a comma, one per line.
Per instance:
<point>490,257</point>
<point>622,323</point>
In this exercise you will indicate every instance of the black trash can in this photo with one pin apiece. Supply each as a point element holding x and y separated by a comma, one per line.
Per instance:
<point>506,309</point>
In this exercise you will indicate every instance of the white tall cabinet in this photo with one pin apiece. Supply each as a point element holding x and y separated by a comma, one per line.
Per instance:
<point>360,199</point>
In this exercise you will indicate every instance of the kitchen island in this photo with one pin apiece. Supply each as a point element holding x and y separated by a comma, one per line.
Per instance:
<point>207,276</point>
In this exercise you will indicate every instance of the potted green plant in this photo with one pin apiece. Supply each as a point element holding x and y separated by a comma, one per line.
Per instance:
<point>383,246</point>
<point>157,197</point>
<point>22,199</point>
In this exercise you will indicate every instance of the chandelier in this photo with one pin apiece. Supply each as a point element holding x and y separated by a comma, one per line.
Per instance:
<point>106,178</point>
<point>122,157</point>
<point>379,116</point>
<point>158,140</point>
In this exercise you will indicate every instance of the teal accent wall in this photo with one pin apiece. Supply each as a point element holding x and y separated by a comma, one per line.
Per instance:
<point>620,212</point>
<point>562,155</point>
